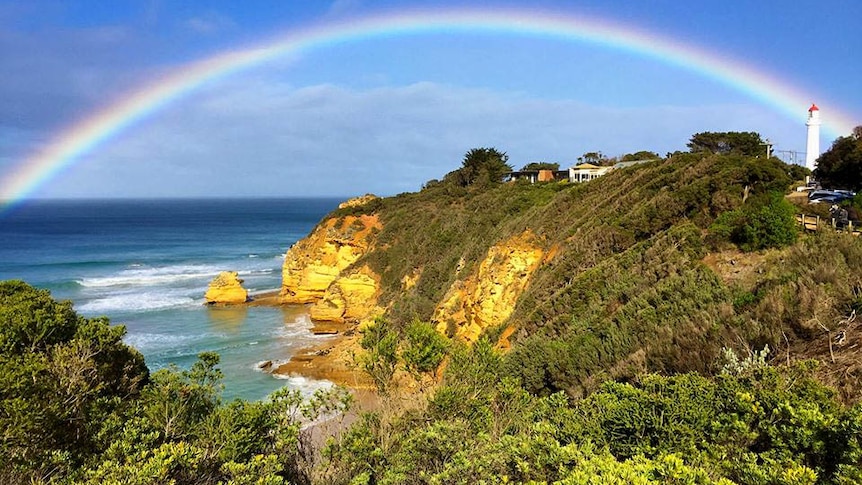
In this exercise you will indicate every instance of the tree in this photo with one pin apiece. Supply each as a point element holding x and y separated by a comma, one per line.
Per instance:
<point>595,158</point>
<point>380,342</point>
<point>840,167</point>
<point>61,377</point>
<point>641,155</point>
<point>541,166</point>
<point>481,166</point>
<point>746,143</point>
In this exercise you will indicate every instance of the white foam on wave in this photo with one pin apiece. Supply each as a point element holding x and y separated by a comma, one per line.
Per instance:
<point>156,341</point>
<point>136,302</point>
<point>151,276</point>
<point>305,385</point>
<point>257,272</point>
<point>252,255</point>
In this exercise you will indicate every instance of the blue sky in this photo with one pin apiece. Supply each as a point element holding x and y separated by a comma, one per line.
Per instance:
<point>387,113</point>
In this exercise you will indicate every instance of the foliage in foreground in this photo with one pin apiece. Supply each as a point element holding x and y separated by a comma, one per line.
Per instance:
<point>78,405</point>
<point>752,424</point>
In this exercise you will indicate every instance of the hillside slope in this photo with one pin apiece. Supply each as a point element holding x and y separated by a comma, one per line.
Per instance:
<point>592,281</point>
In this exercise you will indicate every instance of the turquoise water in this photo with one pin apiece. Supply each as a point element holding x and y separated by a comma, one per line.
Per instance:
<point>147,263</point>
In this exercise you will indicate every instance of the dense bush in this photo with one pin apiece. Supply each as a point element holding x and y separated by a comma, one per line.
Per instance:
<point>766,222</point>
<point>380,359</point>
<point>424,347</point>
<point>758,425</point>
<point>78,406</point>
<point>61,376</point>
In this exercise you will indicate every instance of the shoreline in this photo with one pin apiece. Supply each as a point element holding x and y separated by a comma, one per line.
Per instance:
<point>331,360</point>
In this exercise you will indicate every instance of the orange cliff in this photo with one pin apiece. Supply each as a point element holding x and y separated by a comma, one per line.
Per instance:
<point>324,269</point>
<point>487,297</point>
<point>319,269</point>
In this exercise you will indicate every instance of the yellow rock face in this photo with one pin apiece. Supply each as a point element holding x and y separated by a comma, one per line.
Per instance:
<point>226,288</point>
<point>351,297</point>
<point>313,264</point>
<point>487,298</point>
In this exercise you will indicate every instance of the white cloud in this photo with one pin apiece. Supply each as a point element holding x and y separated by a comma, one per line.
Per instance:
<point>263,137</point>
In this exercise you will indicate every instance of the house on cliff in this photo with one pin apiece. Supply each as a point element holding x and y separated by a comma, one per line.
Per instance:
<point>533,176</point>
<point>583,172</point>
<point>586,172</point>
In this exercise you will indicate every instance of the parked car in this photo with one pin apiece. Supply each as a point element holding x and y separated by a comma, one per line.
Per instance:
<point>829,199</point>
<point>833,196</point>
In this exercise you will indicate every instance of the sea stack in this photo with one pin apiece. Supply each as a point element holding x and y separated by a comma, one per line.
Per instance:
<point>812,149</point>
<point>226,289</point>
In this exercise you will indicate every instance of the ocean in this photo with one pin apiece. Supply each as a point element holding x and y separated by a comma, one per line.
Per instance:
<point>146,264</point>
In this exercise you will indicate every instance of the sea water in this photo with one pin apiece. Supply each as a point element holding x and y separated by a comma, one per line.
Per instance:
<point>146,264</point>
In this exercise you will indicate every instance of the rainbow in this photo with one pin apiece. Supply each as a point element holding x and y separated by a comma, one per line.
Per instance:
<point>86,135</point>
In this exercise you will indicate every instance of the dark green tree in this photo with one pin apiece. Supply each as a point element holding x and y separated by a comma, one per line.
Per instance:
<point>729,142</point>
<point>797,172</point>
<point>482,166</point>
<point>541,166</point>
<point>641,155</point>
<point>61,376</point>
<point>594,158</point>
<point>840,167</point>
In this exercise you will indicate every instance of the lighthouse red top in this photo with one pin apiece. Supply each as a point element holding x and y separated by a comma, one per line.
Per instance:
<point>813,108</point>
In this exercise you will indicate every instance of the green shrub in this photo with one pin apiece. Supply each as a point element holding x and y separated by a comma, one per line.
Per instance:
<point>424,348</point>
<point>380,343</point>
<point>61,376</point>
<point>766,222</point>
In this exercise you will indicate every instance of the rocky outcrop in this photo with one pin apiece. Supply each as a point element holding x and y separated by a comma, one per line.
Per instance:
<point>315,269</point>
<point>487,297</point>
<point>226,289</point>
<point>357,201</point>
<point>351,297</point>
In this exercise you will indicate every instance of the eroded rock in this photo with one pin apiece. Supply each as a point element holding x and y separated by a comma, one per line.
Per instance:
<point>315,262</point>
<point>226,289</point>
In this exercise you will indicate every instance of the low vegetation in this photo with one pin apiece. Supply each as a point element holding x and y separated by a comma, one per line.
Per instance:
<point>626,290</point>
<point>751,424</point>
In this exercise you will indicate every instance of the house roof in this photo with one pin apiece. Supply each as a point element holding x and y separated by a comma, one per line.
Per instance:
<point>586,166</point>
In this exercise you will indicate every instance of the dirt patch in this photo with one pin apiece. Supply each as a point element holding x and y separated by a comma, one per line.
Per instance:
<point>737,268</point>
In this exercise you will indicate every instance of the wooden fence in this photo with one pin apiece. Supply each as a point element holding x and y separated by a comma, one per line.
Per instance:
<point>816,223</point>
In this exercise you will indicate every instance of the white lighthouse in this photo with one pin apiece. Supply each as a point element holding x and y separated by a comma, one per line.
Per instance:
<point>812,149</point>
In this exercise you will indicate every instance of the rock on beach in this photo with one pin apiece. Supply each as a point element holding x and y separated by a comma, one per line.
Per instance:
<point>226,289</point>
